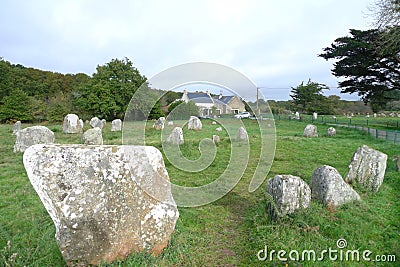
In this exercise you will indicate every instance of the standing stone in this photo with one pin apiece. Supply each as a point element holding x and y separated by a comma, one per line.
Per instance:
<point>219,129</point>
<point>194,123</point>
<point>170,123</point>
<point>104,122</point>
<point>32,136</point>
<point>367,167</point>
<point>81,123</point>
<point>214,123</point>
<point>105,201</point>
<point>297,115</point>
<point>328,186</point>
<point>375,115</point>
<point>331,131</point>
<point>289,193</point>
<point>176,136</point>
<point>93,137</point>
<point>242,134</point>
<point>71,124</point>
<point>216,139</point>
<point>116,125</point>
<point>159,124</point>
<point>315,116</point>
<point>398,162</point>
<point>96,122</point>
<point>310,131</point>
<point>16,127</point>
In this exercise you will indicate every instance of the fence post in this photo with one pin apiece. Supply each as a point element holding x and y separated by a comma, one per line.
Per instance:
<point>367,122</point>
<point>376,133</point>
<point>386,135</point>
<point>369,131</point>
<point>395,137</point>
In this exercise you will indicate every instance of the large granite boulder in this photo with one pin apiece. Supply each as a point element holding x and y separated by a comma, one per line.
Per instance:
<point>32,136</point>
<point>96,122</point>
<point>159,124</point>
<point>116,125</point>
<point>71,124</point>
<point>93,137</point>
<point>367,167</point>
<point>310,131</point>
<point>289,194</point>
<point>194,123</point>
<point>16,128</point>
<point>105,201</point>
<point>176,136</point>
<point>328,186</point>
<point>242,134</point>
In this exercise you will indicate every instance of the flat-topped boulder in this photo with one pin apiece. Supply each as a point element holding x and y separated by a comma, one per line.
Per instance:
<point>31,136</point>
<point>367,167</point>
<point>105,201</point>
<point>71,124</point>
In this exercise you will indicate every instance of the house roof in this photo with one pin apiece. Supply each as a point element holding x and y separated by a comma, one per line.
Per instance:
<point>224,99</point>
<point>200,97</point>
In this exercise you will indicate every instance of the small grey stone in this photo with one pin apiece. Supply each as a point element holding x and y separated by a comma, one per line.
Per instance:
<point>116,125</point>
<point>170,123</point>
<point>71,124</point>
<point>328,186</point>
<point>367,167</point>
<point>16,127</point>
<point>194,123</point>
<point>219,129</point>
<point>216,139</point>
<point>32,136</point>
<point>93,136</point>
<point>289,193</point>
<point>159,124</point>
<point>242,134</point>
<point>176,136</point>
<point>96,122</point>
<point>310,131</point>
<point>331,131</point>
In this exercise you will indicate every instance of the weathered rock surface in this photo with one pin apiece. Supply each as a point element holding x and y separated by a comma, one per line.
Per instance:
<point>96,122</point>
<point>32,136</point>
<point>398,162</point>
<point>328,186</point>
<point>71,124</point>
<point>310,131</point>
<point>216,139</point>
<point>116,125</point>
<point>242,134</point>
<point>93,137</point>
<point>289,193</point>
<point>176,136</point>
<point>194,123</point>
<point>96,199</point>
<point>367,167</point>
<point>159,124</point>
<point>331,131</point>
<point>16,127</point>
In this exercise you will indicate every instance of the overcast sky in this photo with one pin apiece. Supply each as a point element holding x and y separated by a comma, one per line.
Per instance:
<point>274,43</point>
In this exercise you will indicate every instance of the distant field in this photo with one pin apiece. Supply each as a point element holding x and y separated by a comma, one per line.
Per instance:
<point>232,230</point>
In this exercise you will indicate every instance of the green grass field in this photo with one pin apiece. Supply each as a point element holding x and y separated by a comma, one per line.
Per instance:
<point>232,230</point>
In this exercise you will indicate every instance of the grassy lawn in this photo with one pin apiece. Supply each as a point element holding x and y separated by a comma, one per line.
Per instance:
<point>232,230</point>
